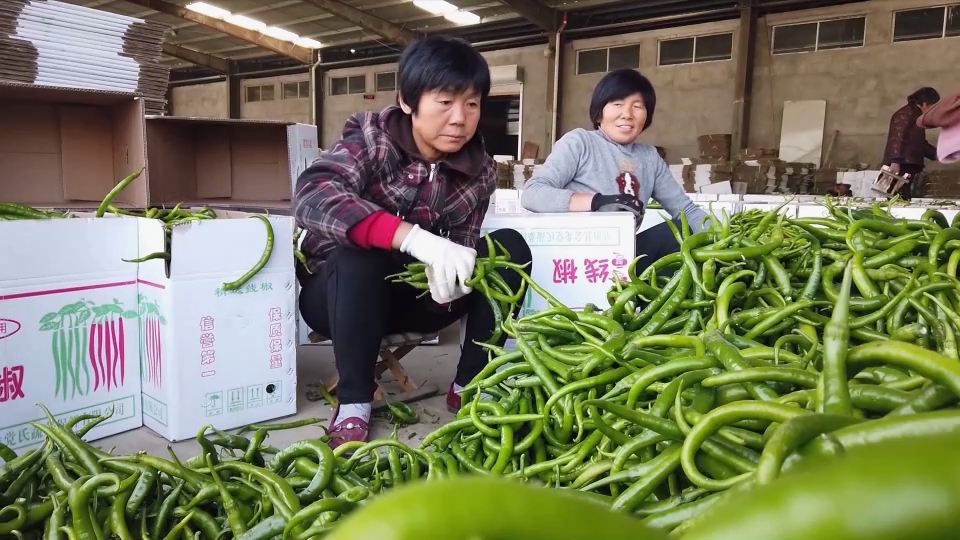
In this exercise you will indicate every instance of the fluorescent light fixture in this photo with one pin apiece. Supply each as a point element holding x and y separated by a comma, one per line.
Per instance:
<point>245,22</point>
<point>204,8</point>
<point>279,33</point>
<point>308,43</point>
<point>437,7</point>
<point>462,17</point>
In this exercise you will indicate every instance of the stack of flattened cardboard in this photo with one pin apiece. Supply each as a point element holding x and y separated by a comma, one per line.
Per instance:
<point>942,184</point>
<point>50,43</point>
<point>714,149</point>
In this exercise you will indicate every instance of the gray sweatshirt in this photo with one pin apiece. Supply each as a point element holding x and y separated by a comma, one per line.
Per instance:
<point>588,162</point>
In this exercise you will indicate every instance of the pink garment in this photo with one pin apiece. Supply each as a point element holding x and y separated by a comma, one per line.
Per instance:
<point>948,145</point>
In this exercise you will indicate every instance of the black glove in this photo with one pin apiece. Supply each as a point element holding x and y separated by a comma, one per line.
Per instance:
<point>618,203</point>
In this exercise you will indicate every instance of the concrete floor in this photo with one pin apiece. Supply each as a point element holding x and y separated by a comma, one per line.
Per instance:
<point>434,363</point>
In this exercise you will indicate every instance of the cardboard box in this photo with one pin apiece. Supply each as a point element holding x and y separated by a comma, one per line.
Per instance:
<point>68,148</point>
<point>575,256</point>
<point>210,356</point>
<point>68,325</point>
<point>225,162</point>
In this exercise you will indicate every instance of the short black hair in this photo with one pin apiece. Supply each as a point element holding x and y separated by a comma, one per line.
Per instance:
<point>925,95</point>
<point>441,63</point>
<point>621,84</point>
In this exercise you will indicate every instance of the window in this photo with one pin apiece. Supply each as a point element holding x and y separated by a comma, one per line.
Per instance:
<point>696,49</point>
<point>386,81</point>
<point>259,93</point>
<point>340,86</point>
<point>296,90</point>
<point>604,60</point>
<point>819,36</point>
<point>926,23</point>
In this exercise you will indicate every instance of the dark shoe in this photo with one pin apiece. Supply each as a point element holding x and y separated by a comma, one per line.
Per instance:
<point>348,430</point>
<point>453,400</point>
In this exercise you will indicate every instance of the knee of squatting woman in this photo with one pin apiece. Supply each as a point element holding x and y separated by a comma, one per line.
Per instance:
<point>412,181</point>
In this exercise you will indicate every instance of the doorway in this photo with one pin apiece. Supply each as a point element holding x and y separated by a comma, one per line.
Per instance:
<point>500,125</point>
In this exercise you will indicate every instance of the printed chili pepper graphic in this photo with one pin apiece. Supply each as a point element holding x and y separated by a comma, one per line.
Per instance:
<point>68,347</point>
<point>151,349</point>
<point>106,346</point>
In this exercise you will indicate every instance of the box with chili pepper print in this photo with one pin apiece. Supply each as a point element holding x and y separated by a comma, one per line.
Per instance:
<point>210,353</point>
<point>68,326</point>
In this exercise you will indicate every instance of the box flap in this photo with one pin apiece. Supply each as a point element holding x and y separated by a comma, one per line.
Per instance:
<point>86,246</point>
<point>229,246</point>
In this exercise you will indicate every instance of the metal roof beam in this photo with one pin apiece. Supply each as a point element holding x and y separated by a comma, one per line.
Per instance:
<point>535,12</point>
<point>279,46</point>
<point>207,60</point>
<point>382,27</point>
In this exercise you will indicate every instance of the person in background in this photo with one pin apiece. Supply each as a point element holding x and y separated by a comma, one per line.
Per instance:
<point>412,181</point>
<point>907,145</point>
<point>946,116</point>
<point>607,169</point>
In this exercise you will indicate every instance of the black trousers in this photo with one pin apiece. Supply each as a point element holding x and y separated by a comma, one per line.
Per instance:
<point>351,302</point>
<point>656,242</point>
<point>906,192</point>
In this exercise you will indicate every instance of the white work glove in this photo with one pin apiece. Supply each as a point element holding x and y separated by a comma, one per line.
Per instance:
<point>449,265</point>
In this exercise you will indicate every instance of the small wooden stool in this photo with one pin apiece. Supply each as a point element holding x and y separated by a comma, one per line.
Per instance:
<point>392,349</point>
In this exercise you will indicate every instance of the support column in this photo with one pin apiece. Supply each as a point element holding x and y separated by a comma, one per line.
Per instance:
<point>234,92</point>
<point>743,89</point>
<point>554,90</point>
<point>318,75</point>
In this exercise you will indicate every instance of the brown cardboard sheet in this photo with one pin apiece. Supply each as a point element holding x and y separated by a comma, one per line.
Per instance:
<point>218,162</point>
<point>67,148</point>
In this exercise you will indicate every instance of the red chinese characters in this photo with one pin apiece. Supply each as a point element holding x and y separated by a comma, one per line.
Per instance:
<point>207,353</point>
<point>596,270</point>
<point>11,383</point>
<point>276,338</point>
<point>564,271</point>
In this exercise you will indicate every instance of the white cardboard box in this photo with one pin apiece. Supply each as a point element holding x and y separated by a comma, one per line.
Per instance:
<point>209,356</point>
<point>575,255</point>
<point>68,325</point>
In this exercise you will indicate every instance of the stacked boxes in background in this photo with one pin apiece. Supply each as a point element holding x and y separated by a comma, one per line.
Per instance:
<point>714,149</point>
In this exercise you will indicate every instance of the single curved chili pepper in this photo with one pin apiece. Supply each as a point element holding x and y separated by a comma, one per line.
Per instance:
<point>833,393</point>
<point>719,417</point>
<point>102,209</point>
<point>267,252</point>
<point>793,434</point>
<point>730,357</point>
<point>926,363</point>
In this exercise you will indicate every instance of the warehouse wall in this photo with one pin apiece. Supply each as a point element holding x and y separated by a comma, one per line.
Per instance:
<point>280,107</point>
<point>692,99</point>
<point>862,86</point>
<point>201,100</point>
<point>533,122</point>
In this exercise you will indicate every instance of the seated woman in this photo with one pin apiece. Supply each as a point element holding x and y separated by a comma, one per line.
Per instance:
<point>606,169</point>
<point>410,182</point>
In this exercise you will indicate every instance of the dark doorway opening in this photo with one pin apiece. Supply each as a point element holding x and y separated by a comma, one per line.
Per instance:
<point>500,125</point>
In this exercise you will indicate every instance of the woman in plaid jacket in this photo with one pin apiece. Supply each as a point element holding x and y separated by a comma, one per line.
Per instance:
<point>412,181</point>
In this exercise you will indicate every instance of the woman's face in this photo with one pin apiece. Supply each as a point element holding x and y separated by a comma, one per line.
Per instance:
<point>622,120</point>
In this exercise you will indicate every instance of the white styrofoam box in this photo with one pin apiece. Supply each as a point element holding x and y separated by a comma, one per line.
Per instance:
<point>211,356</point>
<point>769,199</point>
<point>789,210</point>
<point>730,197</point>
<point>506,201</point>
<point>652,218</point>
<point>68,325</point>
<point>303,148</point>
<point>575,255</point>
<point>908,212</point>
<point>717,208</point>
<point>812,211</point>
<point>949,213</point>
<point>703,197</point>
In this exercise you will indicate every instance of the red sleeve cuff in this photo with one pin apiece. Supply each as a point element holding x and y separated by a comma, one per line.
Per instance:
<point>375,231</point>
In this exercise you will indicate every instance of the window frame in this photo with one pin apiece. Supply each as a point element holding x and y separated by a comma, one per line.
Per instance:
<point>695,38</point>
<point>816,42</point>
<point>943,28</point>
<point>607,65</point>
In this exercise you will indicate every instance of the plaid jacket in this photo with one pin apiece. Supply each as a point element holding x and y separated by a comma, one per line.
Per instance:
<point>907,142</point>
<point>376,166</point>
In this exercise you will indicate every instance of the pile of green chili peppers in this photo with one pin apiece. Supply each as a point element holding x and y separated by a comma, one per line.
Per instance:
<point>776,378</point>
